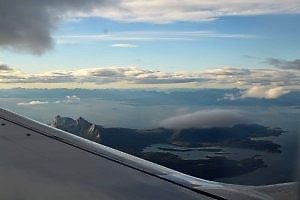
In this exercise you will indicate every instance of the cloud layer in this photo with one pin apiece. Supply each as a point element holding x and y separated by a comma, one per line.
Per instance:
<point>206,119</point>
<point>260,83</point>
<point>27,26</point>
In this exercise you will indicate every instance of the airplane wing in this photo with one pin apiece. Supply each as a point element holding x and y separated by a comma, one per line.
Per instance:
<point>40,162</point>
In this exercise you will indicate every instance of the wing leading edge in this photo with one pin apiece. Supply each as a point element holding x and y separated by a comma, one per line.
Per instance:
<point>41,162</point>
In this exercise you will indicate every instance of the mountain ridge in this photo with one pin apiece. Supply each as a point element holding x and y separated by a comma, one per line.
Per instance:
<point>133,140</point>
<point>79,127</point>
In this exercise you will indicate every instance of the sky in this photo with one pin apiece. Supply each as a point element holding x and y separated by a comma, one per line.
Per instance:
<point>151,44</point>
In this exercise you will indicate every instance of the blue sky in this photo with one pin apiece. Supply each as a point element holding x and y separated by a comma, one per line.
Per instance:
<point>269,36</point>
<point>171,42</point>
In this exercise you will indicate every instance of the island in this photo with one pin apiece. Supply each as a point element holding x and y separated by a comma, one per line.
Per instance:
<point>213,139</point>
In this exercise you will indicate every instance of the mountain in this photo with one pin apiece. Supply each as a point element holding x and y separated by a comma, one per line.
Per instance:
<point>134,141</point>
<point>79,127</point>
<point>210,141</point>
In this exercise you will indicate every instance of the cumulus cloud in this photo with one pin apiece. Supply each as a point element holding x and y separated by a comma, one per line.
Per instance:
<point>124,45</point>
<point>32,103</point>
<point>4,67</point>
<point>264,92</point>
<point>69,99</point>
<point>72,99</point>
<point>258,91</point>
<point>27,25</point>
<point>206,119</point>
<point>284,64</point>
<point>230,96</point>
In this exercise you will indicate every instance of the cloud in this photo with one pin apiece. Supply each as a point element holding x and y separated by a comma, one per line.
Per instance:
<point>258,91</point>
<point>72,99</point>
<point>149,36</point>
<point>124,45</point>
<point>264,92</point>
<point>284,64</point>
<point>221,77</point>
<point>232,97</point>
<point>27,25</point>
<point>32,103</point>
<point>168,11</point>
<point>69,99</point>
<point>4,67</point>
<point>206,119</point>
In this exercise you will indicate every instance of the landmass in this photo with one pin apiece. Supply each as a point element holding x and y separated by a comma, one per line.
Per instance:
<point>210,168</point>
<point>190,149</point>
<point>134,141</point>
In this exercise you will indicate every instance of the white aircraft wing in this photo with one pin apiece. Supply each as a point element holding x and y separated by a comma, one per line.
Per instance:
<point>41,162</point>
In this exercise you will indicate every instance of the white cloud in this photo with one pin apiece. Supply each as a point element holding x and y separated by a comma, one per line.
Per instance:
<point>206,119</point>
<point>149,36</point>
<point>167,11</point>
<point>264,79</point>
<point>265,92</point>
<point>124,45</point>
<point>72,99</point>
<point>32,103</point>
<point>69,99</point>
<point>229,96</point>
<point>21,31</point>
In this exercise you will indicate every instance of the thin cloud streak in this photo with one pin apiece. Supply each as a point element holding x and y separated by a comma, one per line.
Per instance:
<point>124,45</point>
<point>169,11</point>
<point>149,36</point>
